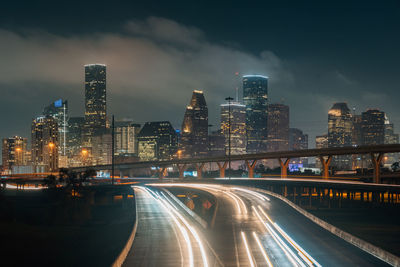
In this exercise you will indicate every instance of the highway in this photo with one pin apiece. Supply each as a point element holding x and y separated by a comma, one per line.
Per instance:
<point>248,229</point>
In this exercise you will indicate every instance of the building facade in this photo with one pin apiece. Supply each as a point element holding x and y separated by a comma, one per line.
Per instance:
<point>340,131</point>
<point>255,98</point>
<point>373,127</point>
<point>321,141</point>
<point>298,141</point>
<point>14,152</point>
<point>235,115</point>
<point>194,132</point>
<point>44,144</point>
<point>126,142</point>
<point>59,111</point>
<point>157,141</point>
<point>278,128</point>
<point>95,102</point>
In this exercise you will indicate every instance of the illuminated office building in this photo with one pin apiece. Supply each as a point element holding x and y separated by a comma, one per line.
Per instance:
<point>255,98</point>
<point>298,141</point>
<point>59,111</point>
<point>237,119</point>
<point>44,144</point>
<point>74,136</point>
<point>95,101</point>
<point>100,152</point>
<point>278,128</point>
<point>14,152</point>
<point>126,133</point>
<point>340,131</point>
<point>390,138</point>
<point>217,144</point>
<point>157,141</point>
<point>373,127</point>
<point>194,132</point>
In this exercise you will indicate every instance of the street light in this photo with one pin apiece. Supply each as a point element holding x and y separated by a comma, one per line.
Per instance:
<point>229,99</point>
<point>209,145</point>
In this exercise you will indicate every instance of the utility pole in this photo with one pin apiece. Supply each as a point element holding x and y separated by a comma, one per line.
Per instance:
<point>112,150</point>
<point>229,99</point>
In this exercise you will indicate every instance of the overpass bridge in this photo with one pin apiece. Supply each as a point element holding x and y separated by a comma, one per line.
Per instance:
<point>376,153</point>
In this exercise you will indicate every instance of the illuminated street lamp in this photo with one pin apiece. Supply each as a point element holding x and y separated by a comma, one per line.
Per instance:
<point>179,152</point>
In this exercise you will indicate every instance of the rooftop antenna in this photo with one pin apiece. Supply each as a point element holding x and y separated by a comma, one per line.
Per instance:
<point>237,87</point>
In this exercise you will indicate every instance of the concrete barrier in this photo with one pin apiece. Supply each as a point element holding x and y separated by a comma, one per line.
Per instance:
<point>124,253</point>
<point>367,247</point>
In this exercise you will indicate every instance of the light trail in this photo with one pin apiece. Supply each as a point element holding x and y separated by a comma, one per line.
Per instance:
<point>249,255</point>
<point>290,255</point>
<point>173,211</point>
<point>253,193</point>
<point>178,224</point>
<point>263,252</point>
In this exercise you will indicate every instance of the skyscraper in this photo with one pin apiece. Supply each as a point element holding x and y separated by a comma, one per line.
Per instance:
<point>373,127</point>
<point>59,111</point>
<point>194,139</point>
<point>74,136</point>
<point>157,141</point>
<point>340,130</point>
<point>390,138</point>
<point>278,127</point>
<point>45,144</point>
<point>255,98</point>
<point>95,101</point>
<point>126,133</point>
<point>238,127</point>
<point>14,152</point>
<point>298,141</point>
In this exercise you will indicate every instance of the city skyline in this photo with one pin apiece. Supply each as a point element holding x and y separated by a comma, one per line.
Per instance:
<point>145,65</point>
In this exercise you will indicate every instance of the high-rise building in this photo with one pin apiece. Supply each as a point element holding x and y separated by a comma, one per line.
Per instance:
<point>298,141</point>
<point>321,141</point>
<point>357,130</point>
<point>217,144</point>
<point>126,142</point>
<point>157,141</point>
<point>278,127</point>
<point>373,127</point>
<point>59,111</point>
<point>74,136</point>
<point>100,152</point>
<point>95,101</point>
<point>390,138</point>
<point>194,132</point>
<point>45,144</point>
<point>14,152</point>
<point>255,98</point>
<point>237,120</point>
<point>340,130</point>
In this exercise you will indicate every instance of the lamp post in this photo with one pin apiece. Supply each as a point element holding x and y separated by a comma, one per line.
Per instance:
<point>229,99</point>
<point>209,145</point>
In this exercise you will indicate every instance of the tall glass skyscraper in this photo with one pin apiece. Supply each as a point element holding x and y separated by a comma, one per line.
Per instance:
<point>255,98</point>
<point>59,111</point>
<point>95,101</point>
<point>278,127</point>
<point>237,118</point>
<point>340,131</point>
<point>373,127</point>
<point>194,139</point>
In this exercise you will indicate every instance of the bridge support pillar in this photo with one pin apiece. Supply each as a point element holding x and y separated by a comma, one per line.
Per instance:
<point>325,166</point>
<point>222,168</point>
<point>181,169</point>
<point>199,168</point>
<point>250,167</point>
<point>162,172</point>
<point>284,165</point>
<point>376,162</point>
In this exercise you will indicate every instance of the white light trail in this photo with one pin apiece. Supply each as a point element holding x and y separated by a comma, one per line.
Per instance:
<point>253,193</point>
<point>263,252</point>
<point>249,255</point>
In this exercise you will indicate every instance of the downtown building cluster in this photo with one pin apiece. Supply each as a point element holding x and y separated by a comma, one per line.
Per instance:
<point>249,125</point>
<point>346,128</point>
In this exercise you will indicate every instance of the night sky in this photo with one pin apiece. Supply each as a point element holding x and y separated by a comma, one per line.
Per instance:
<point>315,53</point>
